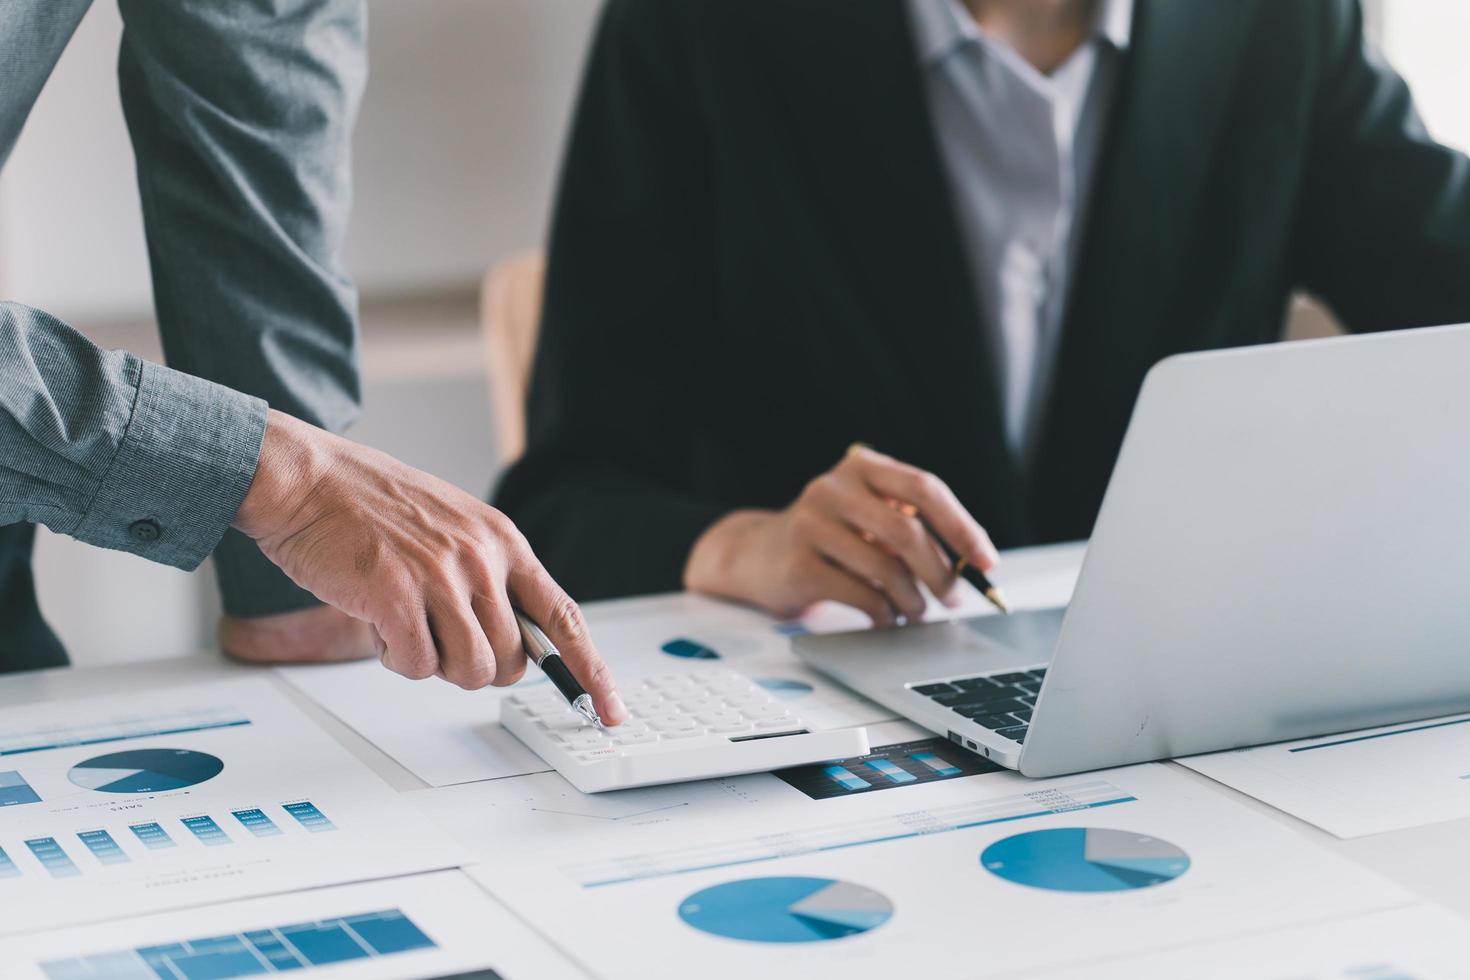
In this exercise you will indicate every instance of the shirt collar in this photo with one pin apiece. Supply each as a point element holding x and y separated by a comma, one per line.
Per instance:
<point>941,26</point>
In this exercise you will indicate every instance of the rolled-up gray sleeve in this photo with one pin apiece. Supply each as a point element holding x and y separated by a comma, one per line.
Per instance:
<point>117,451</point>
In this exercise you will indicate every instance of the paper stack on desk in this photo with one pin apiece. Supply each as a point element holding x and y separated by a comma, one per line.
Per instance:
<point>183,796</point>
<point>752,877</point>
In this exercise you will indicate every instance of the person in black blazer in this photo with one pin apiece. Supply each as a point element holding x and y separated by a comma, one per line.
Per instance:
<point>757,260</point>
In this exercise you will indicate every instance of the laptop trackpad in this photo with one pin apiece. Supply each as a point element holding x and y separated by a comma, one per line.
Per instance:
<point>1032,633</point>
<point>875,661</point>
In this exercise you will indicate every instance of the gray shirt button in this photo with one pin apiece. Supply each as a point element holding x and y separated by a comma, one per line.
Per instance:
<point>145,530</point>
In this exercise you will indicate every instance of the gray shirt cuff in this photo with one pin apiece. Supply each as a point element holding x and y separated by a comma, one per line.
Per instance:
<point>184,465</point>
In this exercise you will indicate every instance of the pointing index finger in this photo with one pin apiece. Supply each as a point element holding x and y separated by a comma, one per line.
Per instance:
<point>560,618</point>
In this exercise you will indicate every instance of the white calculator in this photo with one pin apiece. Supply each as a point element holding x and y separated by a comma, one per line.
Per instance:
<point>693,725</point>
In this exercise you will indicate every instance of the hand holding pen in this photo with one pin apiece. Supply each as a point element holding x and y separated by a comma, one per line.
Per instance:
<point>846,538</point>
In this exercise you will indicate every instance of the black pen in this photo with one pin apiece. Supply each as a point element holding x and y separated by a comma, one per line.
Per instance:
<point>544,654</point>
<point>961,566</point>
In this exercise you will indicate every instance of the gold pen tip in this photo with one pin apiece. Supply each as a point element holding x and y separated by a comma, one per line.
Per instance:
<point>997,600</point>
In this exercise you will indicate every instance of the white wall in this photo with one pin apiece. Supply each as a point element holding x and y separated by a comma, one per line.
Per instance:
<point>1425,40</point>
<point>456,152</point>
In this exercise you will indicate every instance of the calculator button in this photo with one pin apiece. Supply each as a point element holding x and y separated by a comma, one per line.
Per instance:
<point>635,738</point>
<point>683,733</point>
<point>672,725</point>
<point>587,740</point>
<point>739,725</point>
<point>564,723</point>
<point>784,722</point>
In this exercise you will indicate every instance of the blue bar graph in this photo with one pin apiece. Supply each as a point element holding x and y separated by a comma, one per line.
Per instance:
<point>52,857</point>
<point>152,835</point>
<point>845,778</point>
<point>893,773</point>
<point>101,844</point>
<point>208,832</point>
<point>887,767</point>
<point>309,816</point>
<point>255,821</point>
<point>14,790</point>
<point>939,765</point>
<point>7,866</point>
<point>253,953</point>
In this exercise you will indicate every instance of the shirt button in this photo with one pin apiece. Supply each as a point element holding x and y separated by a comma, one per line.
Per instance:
<point>146,530</point>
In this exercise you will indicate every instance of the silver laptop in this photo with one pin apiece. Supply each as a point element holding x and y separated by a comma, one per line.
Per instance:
<point>1283,552</point>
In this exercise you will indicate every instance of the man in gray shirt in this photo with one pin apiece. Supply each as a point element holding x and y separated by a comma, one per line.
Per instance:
<point>241,116</point>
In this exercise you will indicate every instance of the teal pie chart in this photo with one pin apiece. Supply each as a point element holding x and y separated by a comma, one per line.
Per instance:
<point>687,649</point>
<point>784,687</point>
<point>145,770</point>
<point>1079,859</point>
<point>786,910</point>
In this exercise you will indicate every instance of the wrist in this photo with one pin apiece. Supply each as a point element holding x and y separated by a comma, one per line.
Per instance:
<point>282,473</point>
<point>714,559</point>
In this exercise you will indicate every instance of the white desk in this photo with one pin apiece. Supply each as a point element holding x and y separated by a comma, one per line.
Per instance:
<point>1429,861</point>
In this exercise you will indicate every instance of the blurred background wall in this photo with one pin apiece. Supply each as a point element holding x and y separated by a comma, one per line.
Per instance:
<point>456,154</point>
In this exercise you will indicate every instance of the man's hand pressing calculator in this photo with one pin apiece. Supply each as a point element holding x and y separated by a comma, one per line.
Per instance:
<point>699,724</point>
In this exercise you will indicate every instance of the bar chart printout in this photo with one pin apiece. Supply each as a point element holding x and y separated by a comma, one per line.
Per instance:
<point>888,767</point>
<point>208,832</point>
<point>103,847</point>
<point>152,836</point>
<point>255,821</point>
<point>281,949</point>
<point>135,819</point>
<point>307,814</point>
<point>52,857</point>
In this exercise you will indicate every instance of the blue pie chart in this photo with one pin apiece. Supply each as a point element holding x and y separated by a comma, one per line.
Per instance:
<point>145,770</point>
<point>786,910</point>
<point>1079,859</point>
<point>689,649</point>
<point>784,687</point>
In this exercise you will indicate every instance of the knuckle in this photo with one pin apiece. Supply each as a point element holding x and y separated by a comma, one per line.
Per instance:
<point>804,522</point>
<point>473,676</point>
<point>927,486</point>
<point>599,675</point>
<point>506,676</point>
<point>568,621</point>
<point>415,666</point>
<point>818,488</point>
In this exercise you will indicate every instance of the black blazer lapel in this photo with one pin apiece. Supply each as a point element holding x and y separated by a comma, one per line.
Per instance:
<point>1164,126</point>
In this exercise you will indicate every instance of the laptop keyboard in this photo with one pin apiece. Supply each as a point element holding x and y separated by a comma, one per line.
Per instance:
<point>999,702</point>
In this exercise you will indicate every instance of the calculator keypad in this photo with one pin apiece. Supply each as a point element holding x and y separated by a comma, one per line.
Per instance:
<point>662,709</point>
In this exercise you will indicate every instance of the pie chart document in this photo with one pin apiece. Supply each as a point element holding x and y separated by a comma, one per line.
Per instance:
<point>175,798</point>
<point>1018,877</point>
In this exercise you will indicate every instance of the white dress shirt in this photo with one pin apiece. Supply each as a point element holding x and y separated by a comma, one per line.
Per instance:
<point>1019,148</point>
